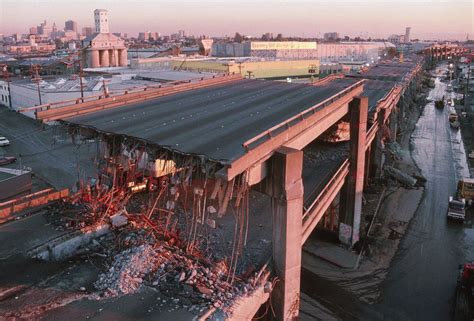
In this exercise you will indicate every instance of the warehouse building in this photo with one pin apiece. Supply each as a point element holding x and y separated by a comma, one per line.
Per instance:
<point>267,49</point>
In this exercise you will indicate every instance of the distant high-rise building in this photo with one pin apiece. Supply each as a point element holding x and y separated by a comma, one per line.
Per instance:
<point>101,20</point>
<point>181,33</point>
<point>87,31</point>
<point>143,36</point>
<point>70,25</point>
<point>44,29</point>
<point>331,36</point>
<point>33,31</point>
<point>407,34</point>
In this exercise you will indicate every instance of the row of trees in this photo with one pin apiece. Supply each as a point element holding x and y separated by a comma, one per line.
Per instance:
<point>265,37</point>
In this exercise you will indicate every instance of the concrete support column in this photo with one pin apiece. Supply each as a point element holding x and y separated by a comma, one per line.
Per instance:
<point>104,58</point>
<point>287,205</point>
<point>94,60</point>
<point>367,166</point>
<point>393,125</point>
<point>378,155</point>
<point>351,195</point>
<point>123,57</point>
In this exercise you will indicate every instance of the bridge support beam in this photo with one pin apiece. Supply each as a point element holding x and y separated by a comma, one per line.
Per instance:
<point>351,195</point>
<point>287,204</point>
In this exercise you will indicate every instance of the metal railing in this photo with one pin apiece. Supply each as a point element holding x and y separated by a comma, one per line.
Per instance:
<point>127,98</point>
<point>344,166</point>
<point>75,101</point>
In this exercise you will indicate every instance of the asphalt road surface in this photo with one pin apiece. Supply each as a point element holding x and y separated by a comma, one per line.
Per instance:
<point>422,279</point>
<point>47,150</point>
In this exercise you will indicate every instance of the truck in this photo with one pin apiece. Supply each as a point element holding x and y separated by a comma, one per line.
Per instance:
<point>456,209</point>
<point>464,299</point>
<point>466,190</point>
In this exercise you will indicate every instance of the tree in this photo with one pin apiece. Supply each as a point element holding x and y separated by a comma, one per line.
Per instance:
<point>238,37</point>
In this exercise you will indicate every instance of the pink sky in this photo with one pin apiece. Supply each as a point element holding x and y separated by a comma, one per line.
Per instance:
<point>436,19</point>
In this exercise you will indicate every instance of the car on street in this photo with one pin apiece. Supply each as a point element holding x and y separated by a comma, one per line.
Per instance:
<point>4,141</point>
<point>7,160</point>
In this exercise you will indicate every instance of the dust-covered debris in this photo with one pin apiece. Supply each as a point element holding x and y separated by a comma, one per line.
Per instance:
<point>125,275</point>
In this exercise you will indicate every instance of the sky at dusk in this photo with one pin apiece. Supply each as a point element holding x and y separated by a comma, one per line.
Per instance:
<point>435,19</point>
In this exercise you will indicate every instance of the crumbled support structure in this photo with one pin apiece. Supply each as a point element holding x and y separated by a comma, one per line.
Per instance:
<point>287,204</point>
<point>351,195</point>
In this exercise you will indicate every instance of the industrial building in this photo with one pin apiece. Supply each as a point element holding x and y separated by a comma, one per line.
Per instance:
<point>350,51</point>
<point>103,49</point>
<point>266,49</point>
<point>251,68</point>
<point>31,47</point>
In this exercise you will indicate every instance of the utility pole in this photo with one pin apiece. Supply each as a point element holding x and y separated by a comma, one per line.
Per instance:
<point>81,74</point>
<point>6,75</point>
<point>36,78</point>
<point>466,89</point>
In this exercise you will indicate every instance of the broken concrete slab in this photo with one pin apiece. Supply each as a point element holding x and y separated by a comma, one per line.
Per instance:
<point>400,176</point>
<point>65,246</point>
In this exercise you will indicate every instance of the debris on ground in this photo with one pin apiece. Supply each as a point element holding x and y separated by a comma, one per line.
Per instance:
<point>400,176</point>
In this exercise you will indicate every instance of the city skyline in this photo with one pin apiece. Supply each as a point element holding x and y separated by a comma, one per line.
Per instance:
<point>301,18</point>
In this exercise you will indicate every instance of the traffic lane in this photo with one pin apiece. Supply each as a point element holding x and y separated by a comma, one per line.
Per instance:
<point>421,282</point>
<point>47,150</point>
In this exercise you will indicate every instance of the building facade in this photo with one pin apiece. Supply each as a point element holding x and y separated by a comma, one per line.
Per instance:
<point>267,49</point>
<point>103,49</point>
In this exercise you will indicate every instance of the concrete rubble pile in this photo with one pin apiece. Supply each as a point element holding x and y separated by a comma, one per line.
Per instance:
<point>125,276</point>
<point>190,280</point>
<point>165,235</point>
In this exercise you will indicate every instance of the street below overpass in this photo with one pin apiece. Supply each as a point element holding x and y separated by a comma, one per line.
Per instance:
<point>421,280</point>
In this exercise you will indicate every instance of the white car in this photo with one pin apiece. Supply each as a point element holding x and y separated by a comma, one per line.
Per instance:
<point>4,141</point>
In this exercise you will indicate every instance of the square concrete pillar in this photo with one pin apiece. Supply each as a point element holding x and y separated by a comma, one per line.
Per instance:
<point>378,155</point>
<point>393,125</point>
<point>287,204</point>
<point>351,194</point>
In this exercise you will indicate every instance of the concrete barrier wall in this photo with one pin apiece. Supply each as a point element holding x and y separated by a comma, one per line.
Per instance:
<point>7,209</point>
<point>16,184</point>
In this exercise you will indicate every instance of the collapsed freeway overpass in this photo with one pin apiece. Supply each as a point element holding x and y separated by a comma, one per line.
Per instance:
<point>256,131</point>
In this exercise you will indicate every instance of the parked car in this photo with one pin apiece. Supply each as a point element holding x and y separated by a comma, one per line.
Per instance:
<point>7,160</point>
<point>4,141</point>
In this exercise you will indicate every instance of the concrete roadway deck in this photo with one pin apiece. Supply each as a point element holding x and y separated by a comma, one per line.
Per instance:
<point>213,121</point>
